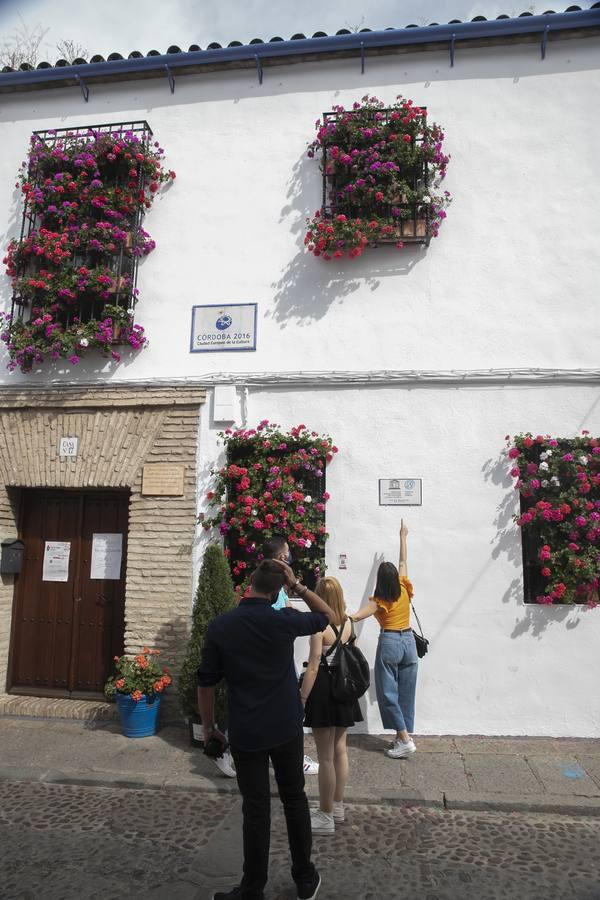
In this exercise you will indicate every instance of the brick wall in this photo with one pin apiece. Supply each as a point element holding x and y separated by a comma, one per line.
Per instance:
<point>120,430</point>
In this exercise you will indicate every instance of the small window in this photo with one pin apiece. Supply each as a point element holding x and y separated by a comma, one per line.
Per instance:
<point>306,560</point>
<point>559,485</point>
<point>383,169</point>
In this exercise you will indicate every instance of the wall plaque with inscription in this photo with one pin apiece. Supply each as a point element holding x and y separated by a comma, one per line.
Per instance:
<point>400,492</point>
<point>162,480</point>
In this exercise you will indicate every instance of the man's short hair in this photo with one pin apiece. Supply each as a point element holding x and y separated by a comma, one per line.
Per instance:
<point>268,577</point>
<point>274,546</point>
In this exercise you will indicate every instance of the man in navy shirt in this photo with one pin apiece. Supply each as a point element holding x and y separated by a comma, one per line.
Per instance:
<point>277,547</point>
<point>252,648</point>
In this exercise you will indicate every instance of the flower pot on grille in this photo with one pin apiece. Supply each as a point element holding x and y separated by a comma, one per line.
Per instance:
<point>414,228</point>
<point>138,718</point>
<point>407,228</point>
<point>119,284</point>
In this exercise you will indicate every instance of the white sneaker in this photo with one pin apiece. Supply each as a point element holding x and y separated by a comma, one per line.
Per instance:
<point>338,811</point>
<point>225,764</point>
<point>310,766</point>
<point>321,822</point>
<point>401,750</point>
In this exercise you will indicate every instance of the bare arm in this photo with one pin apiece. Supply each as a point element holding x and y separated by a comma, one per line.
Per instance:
<point>402,564</point>
<point>365,611</point>
<point>314,661</point>
<point>206,708</point>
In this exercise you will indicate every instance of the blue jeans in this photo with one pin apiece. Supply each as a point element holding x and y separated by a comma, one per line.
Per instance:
<point>396,679</point>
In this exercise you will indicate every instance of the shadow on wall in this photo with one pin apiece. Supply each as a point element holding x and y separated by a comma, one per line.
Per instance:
<point>506,540</point>
<point>534,618</point>
<point>13,230</point>
<point>370,698</point>
<point>309,286</point>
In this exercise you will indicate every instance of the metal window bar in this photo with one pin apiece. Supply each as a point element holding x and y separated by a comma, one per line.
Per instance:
<point>414,228</point>
<point>311,485</point>
<point>534,584</point>
<point>124,263</point>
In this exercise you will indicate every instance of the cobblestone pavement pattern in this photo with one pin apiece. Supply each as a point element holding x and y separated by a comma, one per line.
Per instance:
<point>59,842</point>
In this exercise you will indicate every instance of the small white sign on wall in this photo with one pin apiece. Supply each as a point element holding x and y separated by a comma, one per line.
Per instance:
<point>68,446</point>
<point>400,492</point>
<point>227,326</point>
<point>107,553</point>
<point>56,561</point>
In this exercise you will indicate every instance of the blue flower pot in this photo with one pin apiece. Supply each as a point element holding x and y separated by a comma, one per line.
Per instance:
<point>138,719</point>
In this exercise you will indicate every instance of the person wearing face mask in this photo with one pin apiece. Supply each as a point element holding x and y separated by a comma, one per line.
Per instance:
<point>277,547</point>
<point>252,648</point>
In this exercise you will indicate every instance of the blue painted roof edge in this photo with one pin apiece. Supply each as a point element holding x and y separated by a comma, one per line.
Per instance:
<point>545,24</point>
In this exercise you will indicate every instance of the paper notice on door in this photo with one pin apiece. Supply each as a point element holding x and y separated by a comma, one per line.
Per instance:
<point>56,561</point>
<point>107,553</point>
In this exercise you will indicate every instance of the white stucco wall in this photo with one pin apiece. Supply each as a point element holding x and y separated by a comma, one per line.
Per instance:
<point>511,282</point>
<point>508,282</point>
<point>496,665</point>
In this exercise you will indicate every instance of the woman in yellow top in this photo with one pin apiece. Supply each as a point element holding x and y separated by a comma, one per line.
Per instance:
<point>396,661</point>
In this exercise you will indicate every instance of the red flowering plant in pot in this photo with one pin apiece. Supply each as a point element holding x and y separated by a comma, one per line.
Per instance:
<point>85,193</point>
<point>272,483</point>
<point>559,484</point>
<point>137,689</point>
<point>382,169</point>
<point>138,676</point>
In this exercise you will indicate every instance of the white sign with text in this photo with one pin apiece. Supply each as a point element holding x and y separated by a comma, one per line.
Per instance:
<point>107,553</point>
<point>56,561</point>
<point>400,492</point>
<point>68,446</point>
<point>227,326</point>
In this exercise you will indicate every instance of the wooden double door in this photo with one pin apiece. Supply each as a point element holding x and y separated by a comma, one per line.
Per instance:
<point>68,620</point>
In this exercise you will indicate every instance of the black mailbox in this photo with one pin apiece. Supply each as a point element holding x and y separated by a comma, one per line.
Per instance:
<point>13,553</point>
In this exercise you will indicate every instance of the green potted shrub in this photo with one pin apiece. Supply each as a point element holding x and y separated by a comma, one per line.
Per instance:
<point>214,595</point>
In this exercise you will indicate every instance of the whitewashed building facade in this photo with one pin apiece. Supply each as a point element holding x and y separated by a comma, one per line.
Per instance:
<point>418,362</point>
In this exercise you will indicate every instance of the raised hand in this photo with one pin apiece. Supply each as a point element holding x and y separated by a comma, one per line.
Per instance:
<point>290,578</point>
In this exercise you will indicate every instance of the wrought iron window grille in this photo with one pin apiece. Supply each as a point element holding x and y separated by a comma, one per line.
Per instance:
<point>311,485</point>
<point>413,225</point>
<point>534,584</point>
<point>123,262</point>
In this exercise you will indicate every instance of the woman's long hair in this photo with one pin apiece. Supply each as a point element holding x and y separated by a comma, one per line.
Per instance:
<point>330,590</point>
<point>387,586</point>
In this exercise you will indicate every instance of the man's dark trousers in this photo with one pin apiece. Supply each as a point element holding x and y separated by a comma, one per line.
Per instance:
<point>252,768</point>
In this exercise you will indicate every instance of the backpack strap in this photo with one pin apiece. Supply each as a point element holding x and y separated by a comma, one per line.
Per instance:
<point>338,637</point>
<point>352,637</point>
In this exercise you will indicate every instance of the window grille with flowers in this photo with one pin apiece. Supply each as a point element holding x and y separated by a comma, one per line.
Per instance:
<point>74,266</point>
<point>559,485</point>
<point>382,171</point>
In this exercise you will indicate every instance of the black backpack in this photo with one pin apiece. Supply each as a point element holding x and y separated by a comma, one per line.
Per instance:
<point>350,676</point>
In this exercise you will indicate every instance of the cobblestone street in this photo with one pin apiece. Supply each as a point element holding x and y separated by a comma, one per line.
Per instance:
<point>63,841</point>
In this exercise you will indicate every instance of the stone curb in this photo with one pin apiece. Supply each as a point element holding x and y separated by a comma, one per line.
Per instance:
<point>566,806</point>
<point>583,806</point>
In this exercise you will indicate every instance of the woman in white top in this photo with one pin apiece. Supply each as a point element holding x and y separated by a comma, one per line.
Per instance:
<point>328,718</point>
